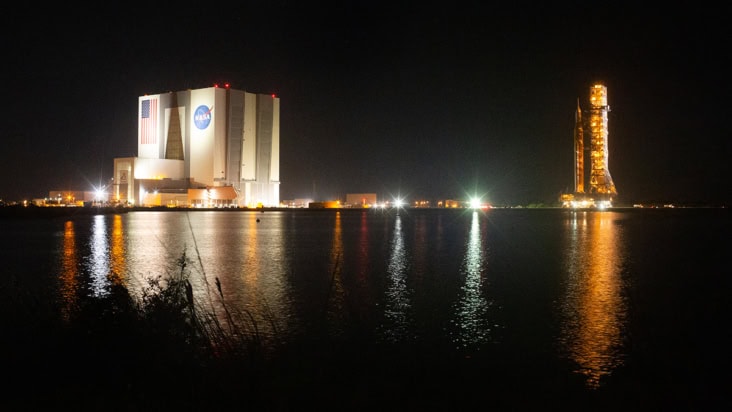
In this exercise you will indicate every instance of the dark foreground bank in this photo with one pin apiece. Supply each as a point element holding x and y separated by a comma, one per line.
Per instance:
<point>111,353</point>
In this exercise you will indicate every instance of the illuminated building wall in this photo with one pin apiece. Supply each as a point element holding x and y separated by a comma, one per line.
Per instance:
<point>205,138</point>
<point>596,180</point>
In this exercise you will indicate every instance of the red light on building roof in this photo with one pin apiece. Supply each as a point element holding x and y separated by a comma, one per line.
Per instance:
<point>273,95</point>
<point>227,85</point>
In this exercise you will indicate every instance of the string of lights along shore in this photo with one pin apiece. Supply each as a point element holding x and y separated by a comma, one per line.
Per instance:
<point>600,183</point>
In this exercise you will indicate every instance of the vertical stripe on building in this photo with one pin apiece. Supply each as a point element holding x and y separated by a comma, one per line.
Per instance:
<point>149,121</point>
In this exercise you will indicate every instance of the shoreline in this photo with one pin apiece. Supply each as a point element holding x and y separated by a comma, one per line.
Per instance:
<point>17,211</point>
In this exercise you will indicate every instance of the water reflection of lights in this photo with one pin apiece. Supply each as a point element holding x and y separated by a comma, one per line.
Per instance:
<point>229,293</point>
<point>472,308</point>
<point>69,271</point>
<point>156,243</point>
<point>336,306</point>
<point>272,300</point>
<point>117,252</point>
<point>257,287</point>
<point>99,258</point>
<point>250,254</point>
<point>106,263</point>
<point>593,310</point>
<point>397,297</point>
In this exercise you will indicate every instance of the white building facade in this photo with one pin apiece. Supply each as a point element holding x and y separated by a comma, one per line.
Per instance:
<point>204,138</point>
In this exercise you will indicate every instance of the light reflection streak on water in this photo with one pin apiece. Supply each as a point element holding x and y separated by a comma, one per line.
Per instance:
<point>274,303</point>
<point>117,252</point>
<point>69,271</point>
<point>336,311</point>
<point>235,293</point>
<point>251,267</point>
<point>245,253</point>
<point>156,242</point>
<point>397,303</point>
<point>99,258</point>
<point>266,268</point>
<point>471,310</point>
<point>593,309</point>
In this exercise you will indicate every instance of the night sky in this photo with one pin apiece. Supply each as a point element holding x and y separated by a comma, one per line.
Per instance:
<point>413,99</point>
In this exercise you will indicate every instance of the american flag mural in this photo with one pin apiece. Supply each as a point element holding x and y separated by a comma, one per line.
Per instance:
<point>149,121</point>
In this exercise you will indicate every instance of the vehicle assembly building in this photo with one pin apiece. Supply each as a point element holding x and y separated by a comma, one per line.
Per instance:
<point>211,147</point>
<point>600,190</point>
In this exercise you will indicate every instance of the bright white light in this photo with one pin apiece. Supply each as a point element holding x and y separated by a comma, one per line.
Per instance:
<point>399,203</point>
<point>475,203</point>
<point>582,204</point>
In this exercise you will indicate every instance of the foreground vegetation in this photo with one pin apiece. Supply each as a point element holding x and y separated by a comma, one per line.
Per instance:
<point>163,350</point>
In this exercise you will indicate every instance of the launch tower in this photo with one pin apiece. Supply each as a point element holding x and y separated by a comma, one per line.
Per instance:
<point>579,152</point>
<point>600,180</point>
<point>601,186</point>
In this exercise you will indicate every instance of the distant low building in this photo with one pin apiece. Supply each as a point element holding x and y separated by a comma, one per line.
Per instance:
<point>422,204</point>
<point>450,204</point>
<point>69,198</point>
<point>296,203</point>
<point>331,204</point>
<point>360,200</point>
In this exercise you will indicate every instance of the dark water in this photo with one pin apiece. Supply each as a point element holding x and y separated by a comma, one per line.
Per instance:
<point>632,300</point>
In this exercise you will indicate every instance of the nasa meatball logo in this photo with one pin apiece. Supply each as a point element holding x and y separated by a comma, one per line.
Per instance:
<point>202,117</point>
